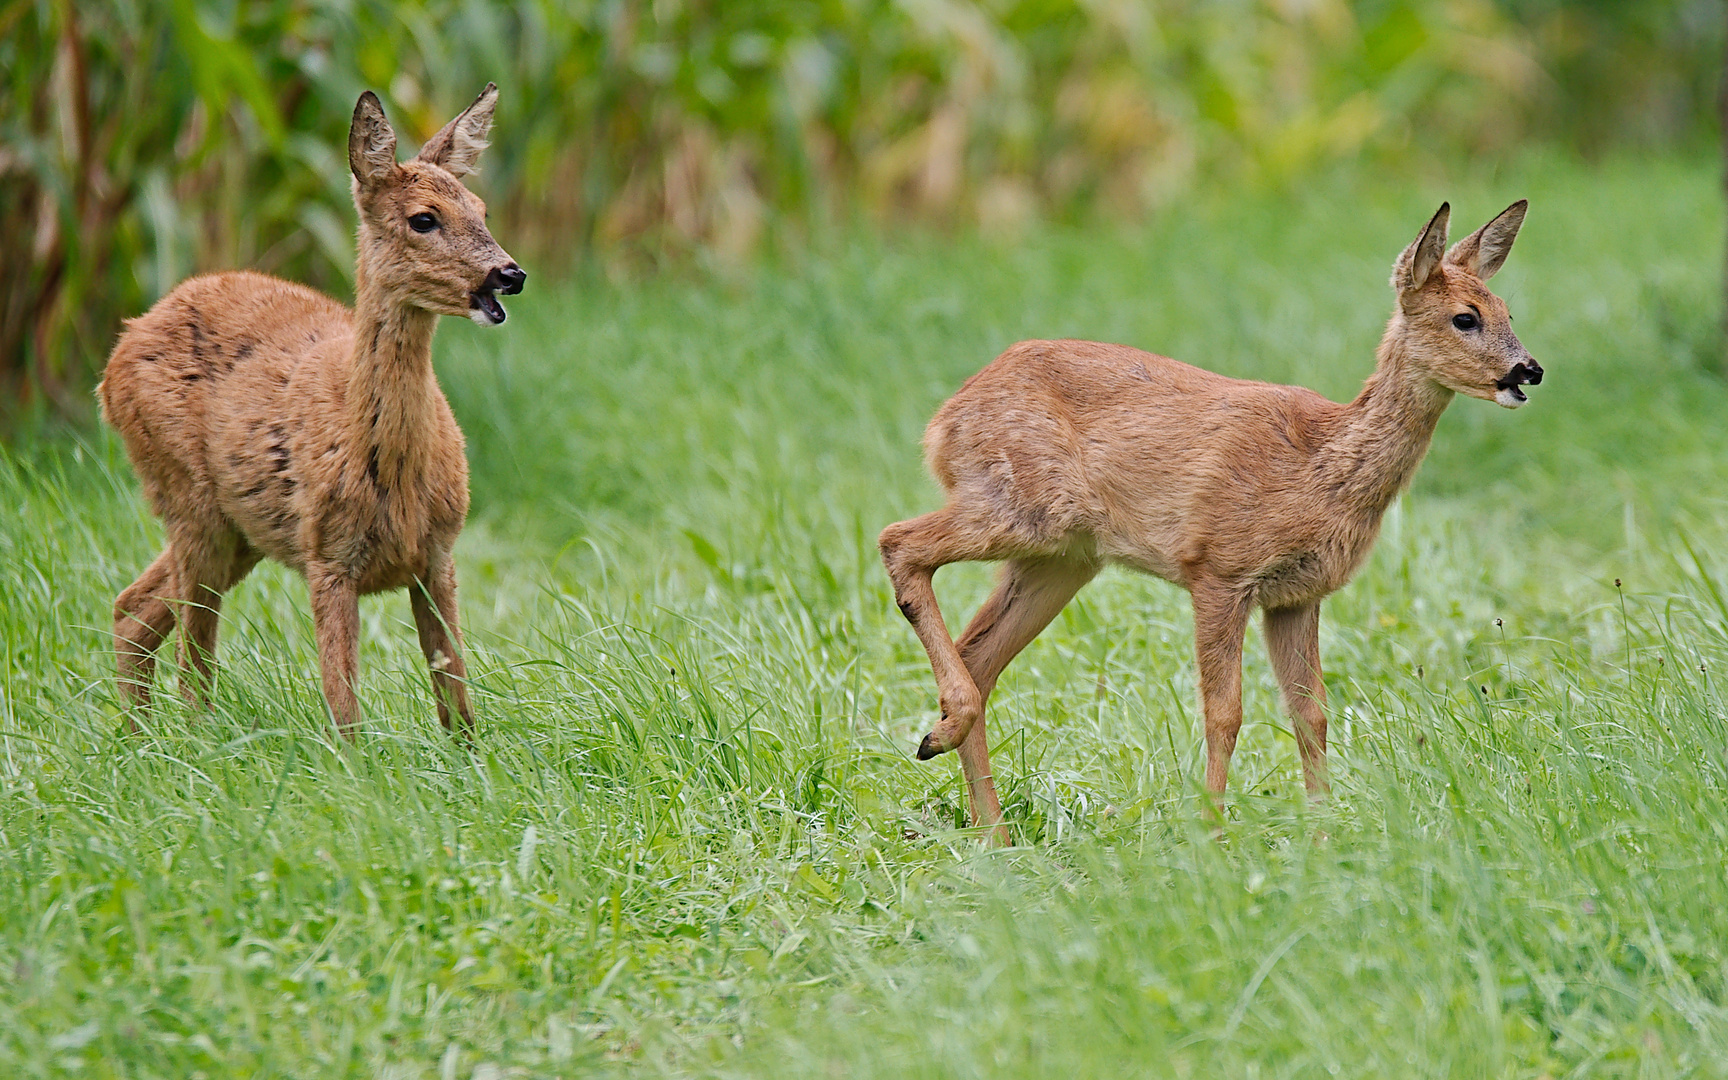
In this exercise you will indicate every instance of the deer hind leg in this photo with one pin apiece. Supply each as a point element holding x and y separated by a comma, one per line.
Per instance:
<point>336,622</point>
<point>206,572</point>
<point>1028,596</point>
<point>1220,618</point>
<point>434,603</point>
<point>1293,641</point>
<point>913,551</point>
<point>142,620</point>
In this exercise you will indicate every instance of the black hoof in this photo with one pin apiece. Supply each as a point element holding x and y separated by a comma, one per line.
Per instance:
<point>928,748</point>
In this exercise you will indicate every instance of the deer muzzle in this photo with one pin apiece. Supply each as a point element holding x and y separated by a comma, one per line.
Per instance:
<point>483,304</point>
<point>1523,373</point>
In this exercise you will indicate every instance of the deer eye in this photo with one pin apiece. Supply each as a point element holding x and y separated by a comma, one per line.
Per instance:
<point>1464,321</point>
<point>422,222</point>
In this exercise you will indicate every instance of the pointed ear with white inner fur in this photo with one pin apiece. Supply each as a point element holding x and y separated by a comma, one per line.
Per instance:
<point>1414,265</point>
<point>371,142</point>
<point>1484,251</point>
<point>458,144</point>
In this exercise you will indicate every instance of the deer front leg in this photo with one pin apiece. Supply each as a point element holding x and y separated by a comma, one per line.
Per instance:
<point>1220,618</point>
<point>1293,642</point>
<point>434,602</point>
<point>336,622</point>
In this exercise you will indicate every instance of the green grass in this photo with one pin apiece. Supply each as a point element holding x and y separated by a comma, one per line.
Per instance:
<point>690,838</point>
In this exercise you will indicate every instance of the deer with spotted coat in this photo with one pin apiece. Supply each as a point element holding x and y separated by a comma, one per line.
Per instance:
<point>1062,456</point>
<point>265,419</point>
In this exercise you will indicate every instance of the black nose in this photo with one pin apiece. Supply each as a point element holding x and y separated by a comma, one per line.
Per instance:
<point>1522,373</point>
<point>507,279</point>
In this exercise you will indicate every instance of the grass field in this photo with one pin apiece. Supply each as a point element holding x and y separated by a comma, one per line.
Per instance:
<point>690,838</point>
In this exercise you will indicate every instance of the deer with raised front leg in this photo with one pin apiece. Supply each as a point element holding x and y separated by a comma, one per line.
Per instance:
<point>1063,456</point>
<point>266,420</point>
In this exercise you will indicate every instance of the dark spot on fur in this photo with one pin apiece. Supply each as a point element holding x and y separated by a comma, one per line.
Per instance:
<point>243,350</point>
<point>377,411</point>
<point>149,358</point>
<point>203,349</point>
<point>372,465</point>
<point>279,446</point>
<point>256,489</point>
<point>905,609</point>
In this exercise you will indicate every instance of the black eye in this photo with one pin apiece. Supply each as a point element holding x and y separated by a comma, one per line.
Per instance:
<point>422,222</point>
<point>1464,321</point>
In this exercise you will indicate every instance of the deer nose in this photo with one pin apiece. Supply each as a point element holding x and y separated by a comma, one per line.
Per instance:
<point>1524,372</point>
<point>507,279</point>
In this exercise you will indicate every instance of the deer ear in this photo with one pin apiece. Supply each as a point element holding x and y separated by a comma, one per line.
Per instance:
<point>457,145</point>
<point>371,142</point>
<point>1484,251</point>
<point>1418,261</point>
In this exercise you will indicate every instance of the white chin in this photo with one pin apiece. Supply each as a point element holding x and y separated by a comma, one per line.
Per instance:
<point>1509,398</point>
<point>483,319</point>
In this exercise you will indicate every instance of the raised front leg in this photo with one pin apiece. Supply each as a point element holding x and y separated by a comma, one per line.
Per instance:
<point>1293,642</point>
<point>336,622</point>
<point>1220,618</point>
<point>142,620</point>
<point>434,602</point>
<point>913,551</point>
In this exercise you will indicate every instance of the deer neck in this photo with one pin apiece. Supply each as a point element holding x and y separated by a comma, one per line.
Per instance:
<point>1385,432</point>
<point>392,394</point>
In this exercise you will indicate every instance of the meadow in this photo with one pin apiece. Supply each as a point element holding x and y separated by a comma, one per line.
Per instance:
<point>689,837</point>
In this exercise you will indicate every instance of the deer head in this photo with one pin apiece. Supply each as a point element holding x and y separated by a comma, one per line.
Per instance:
<point>1458,332</point>
<point>423,235</point>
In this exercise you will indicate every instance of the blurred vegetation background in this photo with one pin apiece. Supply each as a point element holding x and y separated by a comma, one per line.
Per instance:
<point>143,140</point>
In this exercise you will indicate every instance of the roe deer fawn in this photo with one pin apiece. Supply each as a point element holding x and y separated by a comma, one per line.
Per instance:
<point>266,419</point>
<point>1061,456</point>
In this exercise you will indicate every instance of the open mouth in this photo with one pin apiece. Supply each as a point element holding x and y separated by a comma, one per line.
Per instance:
<point>484,307</point>
<point>1508,389</point>
<point>483,304</point>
